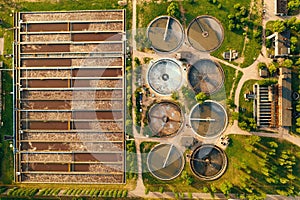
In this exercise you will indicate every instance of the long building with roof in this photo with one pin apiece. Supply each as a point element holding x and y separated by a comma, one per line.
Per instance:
<point>69,97</point>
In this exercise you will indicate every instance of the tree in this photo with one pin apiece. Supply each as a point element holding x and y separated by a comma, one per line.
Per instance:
<point>226,187</point>
<point>147,190</point>
<point>201,97</point>
<point>231,27</point>
<point>230,103</point>
<point>213,190</point>
<point>235,116</point>
<point>175,95</point>
<point>230,16</point>
<point>294,41</point>
<point>278,26</point>
<point>243,125</point>
<point>253,139</point>
<point>272,68</point>
<point>273,144</point>
<point>297,63</point>
<point>173,10</point>
<point>237,6</point>
<point>294,5</point>
<point>287,63</point>
<point>205,189</point>
<point>186,178</point>
<point>290,22</point>
<point>161,189</point>
<point>261,65</point>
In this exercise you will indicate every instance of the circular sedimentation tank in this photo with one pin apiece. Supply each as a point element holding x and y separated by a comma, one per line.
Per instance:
<point>208,120</point>
<point>205,33</point>
<point>165,119</point>
<point>165,161</point>
<point>208,162</point>
<point>165,34</point>
<point>206,76</point>
<point>165,76</point>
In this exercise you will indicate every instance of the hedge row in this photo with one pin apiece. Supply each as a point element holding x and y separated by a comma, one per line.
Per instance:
<point>23,192</point>
<point>96,193</point>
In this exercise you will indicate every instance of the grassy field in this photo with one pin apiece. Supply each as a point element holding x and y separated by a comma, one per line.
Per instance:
<point>146,12</point>
<point>242,165</point>
<point>252,51</point>
<point>6,129</point>
<point>236,82</point>
<point>229,78</point>
<point>247,105</point>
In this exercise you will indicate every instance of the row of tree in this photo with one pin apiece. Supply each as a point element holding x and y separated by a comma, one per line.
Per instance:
<point>298,105</point>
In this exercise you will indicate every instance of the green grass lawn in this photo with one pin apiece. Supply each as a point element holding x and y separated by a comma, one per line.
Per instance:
<point>243,169</point>
<point>146,12</point>
<point>243,163</point>
<point>236,82</point>
<point>229,78</point>
<point>247,105</point>
<point>251,52</point>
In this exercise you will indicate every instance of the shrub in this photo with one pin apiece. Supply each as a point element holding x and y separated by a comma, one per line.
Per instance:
<point>278,26</point>
<point>201,97</point>
<point>175,95</point>
<point>261,65</point>
<point>161,189</point>
<point>92,192</point>
<point>3,189</point>
<point>114,195</point>
<point>125,193</point>
<point>190,195</point>
<point>119,193</point>
<point>287,63</point>
<point>42,192</point>
<point>105,194</point>
<point>173,10</point>
<point>147,190</point>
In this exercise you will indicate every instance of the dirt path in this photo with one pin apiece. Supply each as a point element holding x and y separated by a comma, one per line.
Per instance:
<point>234,82</point>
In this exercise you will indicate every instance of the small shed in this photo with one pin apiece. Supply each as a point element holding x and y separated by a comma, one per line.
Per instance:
<point>230,55</point>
